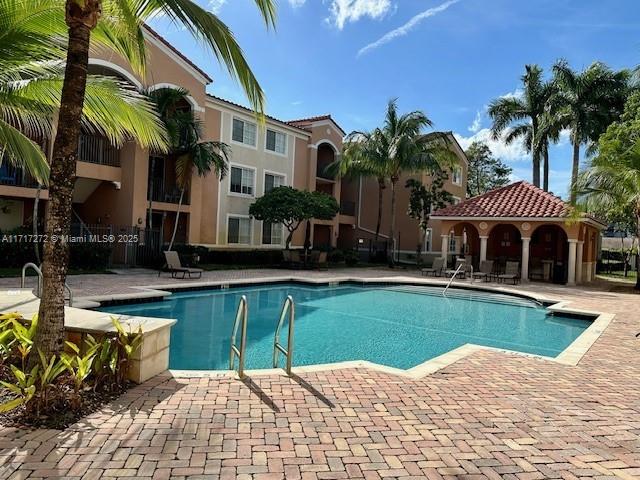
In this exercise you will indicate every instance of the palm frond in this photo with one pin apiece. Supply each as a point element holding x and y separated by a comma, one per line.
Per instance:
<point>22,152</point>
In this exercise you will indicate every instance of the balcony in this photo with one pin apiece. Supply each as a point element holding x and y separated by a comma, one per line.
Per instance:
<point>98,150</point>
<point>161,191</point>
<point>15,176</point>
<point>347,207</point>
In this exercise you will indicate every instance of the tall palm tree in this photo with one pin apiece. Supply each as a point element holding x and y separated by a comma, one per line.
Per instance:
<point>587,103</point>
<point>549,131</point>
<point>362,157</point>
<point>117,24</point>
<point>405,148</point>
<point>520,116</point>
<point>191,155</point>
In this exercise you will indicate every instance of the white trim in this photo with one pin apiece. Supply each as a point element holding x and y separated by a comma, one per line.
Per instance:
<point>240,215</point>
<point>266,172</point>
<point>320,142</point>
<point>175,57</point>
<point>117,68</point>
<point>194,104</point>
<point>255,181</point>
<point>242,144</point>
<point>217,239</point>
<point>459,200</point>
<point>293,162</point>
<point>286,142</point>
<point>457,167</point>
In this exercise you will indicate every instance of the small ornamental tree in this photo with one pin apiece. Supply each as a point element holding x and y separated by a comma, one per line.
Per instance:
<point>291,207</point>
<point>422,200</point>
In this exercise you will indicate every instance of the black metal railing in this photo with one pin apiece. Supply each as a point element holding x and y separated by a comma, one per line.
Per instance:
<point>322,171</point>
<point>160,191</point>
<point>347,207</point>
<point>98,150</point>
<point>16,176</point>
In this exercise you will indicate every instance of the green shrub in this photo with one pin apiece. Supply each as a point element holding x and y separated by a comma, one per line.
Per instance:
<point>89,256</point>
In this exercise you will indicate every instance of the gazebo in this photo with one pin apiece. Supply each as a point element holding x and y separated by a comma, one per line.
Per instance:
<point>521,222</point>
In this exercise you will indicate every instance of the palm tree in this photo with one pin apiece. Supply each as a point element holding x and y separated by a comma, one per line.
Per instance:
<point>116,24</point>
<point>406,149</point>
<point>361,157</point>
<point>549,131</point>
<point>190,154</point>
<point>520,115</point>
<point>587,103</point>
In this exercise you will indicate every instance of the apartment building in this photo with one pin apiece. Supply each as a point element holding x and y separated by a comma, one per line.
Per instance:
<point>130,189</point>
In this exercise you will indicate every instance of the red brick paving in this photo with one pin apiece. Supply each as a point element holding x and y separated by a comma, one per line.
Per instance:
<point>490,415</point>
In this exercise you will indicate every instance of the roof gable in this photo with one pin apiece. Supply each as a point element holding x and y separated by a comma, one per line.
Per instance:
<point>519,199</point>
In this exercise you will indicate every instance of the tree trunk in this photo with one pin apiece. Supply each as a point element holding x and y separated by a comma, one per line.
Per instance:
<point>175,226</point>
<point>381,187</point>
<point>546,168</point>
<point>536,169</point>
<point>80,18</point>
<point>392,230</point>
<point>574,171</point>
<point>36,244</point>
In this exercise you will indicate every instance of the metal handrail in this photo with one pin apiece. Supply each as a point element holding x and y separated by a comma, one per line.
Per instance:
<point>38,270</point>
<point>290,308</point>
<point>462,265</point>
<point>235,351</point>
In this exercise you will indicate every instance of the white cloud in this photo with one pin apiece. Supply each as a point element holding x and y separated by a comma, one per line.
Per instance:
<point>407,27</point>
<point>216,5</point>
<point>517,93</point>
<point>510,153</point>
<point>297,3</point>
<point>349,11</point>
<point>477,123</point>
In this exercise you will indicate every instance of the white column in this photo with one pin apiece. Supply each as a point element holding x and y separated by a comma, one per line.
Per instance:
<point>579,253</point>
<point>571,280</point>
<point>483,248</point>
<point>524,268</point>
<point>445,246</point>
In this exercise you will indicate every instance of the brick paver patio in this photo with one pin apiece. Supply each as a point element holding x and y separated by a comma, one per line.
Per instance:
<point>490,415</point>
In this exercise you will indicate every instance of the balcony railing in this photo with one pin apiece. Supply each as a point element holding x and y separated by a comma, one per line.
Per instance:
<point>158,191</point>
<point>15,176</point>
<point>347,207</point>
<point>98,150</point>
<point>321,171</point>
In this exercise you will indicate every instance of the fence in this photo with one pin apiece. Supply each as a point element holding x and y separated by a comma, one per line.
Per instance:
<point>614,261</point>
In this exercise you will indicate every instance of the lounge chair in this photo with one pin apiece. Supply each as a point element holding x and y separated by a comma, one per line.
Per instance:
<point>436,268</point>
<point>463,271</point>
<point>511,272</point>
<point>485,272</point>
<point>175,267</point>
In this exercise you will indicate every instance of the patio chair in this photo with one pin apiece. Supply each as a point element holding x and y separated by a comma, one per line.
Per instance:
<point>322,261</point>
<point>463,271</point>
<point>175,267</point>
<point>436,268</point>
<point>511,272</point>
<point>485,271</point>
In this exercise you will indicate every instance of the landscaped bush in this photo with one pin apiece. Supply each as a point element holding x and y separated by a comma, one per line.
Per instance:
<point>89,256</point>
<point>229,257</point>
<point>57,390</point>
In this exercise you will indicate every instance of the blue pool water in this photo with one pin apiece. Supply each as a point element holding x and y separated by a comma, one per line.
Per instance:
<point>398,326</point>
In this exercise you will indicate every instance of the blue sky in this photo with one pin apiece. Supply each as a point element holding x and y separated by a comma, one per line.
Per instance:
<point>448,58</point>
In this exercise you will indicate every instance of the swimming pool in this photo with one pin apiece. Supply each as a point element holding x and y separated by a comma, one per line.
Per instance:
<point>395,325</point>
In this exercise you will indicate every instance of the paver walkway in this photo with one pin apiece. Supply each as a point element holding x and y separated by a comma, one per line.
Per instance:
<point>490,415</point>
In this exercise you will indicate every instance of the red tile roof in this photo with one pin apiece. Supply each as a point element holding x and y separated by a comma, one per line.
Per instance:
<point>519,199</point>
<point>306,121</point>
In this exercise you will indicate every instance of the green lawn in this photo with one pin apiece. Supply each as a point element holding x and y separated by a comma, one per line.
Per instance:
<point>619,276</point>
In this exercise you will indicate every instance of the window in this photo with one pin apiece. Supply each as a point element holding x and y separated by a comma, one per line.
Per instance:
<point>452,242</point>
<point>242,180</point>
<point>271,233</point>
<point>457,175</point>
<point>244,132</point>
<point>276,142</point>
<point>428,239</point>
<point>272,181</point>
<point>239,230</point>
<point>456,200</point>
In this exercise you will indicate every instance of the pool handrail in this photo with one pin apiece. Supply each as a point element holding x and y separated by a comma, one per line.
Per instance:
<point>38,270</point>
<point>461,266</point>
<point>241,319</point>
<point>290,308</point>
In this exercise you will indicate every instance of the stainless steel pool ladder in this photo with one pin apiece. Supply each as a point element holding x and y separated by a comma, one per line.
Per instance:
<point>287,308</point>
<point>239,351</point>
<point>453,277</point>
<point>37,269</point>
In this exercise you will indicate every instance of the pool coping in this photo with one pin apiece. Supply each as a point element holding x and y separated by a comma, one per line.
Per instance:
<point>570,356</point>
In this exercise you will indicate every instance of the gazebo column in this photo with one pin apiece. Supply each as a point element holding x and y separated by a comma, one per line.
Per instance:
<point>579,254</point>
<point>445,245</point>
<point>483,247</point>
<point>571,274</point>
<point>524,268</point>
